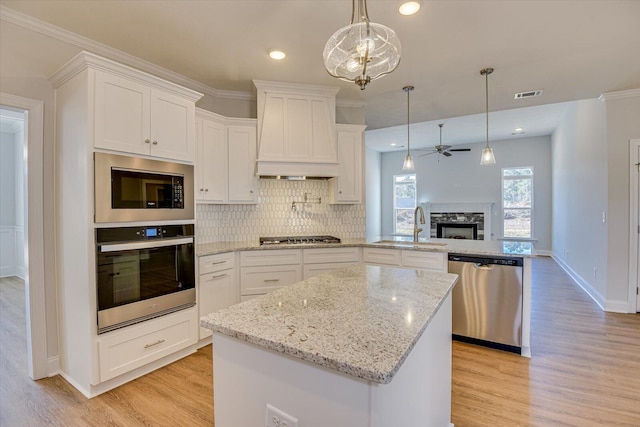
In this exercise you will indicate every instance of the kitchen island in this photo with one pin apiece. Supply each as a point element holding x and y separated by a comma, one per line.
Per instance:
<point>361,346</point>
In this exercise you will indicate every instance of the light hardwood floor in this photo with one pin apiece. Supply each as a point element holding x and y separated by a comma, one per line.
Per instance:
<point>585,371</point>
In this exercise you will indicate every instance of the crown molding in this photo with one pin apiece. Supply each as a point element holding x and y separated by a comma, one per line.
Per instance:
<point>619,95</point>
<point>84,43</point>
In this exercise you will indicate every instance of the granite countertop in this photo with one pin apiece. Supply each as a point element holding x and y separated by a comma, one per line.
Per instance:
<point>476,247</point>
<point>359,320</point>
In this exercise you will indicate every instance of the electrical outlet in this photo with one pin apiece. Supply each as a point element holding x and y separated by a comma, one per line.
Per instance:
<point>276,418</point>
<point>604,217</point>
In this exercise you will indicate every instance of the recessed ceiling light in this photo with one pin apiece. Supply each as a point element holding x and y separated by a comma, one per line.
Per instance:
<point>517,131</point>
<point>278,55</point>
<point>393,144</point>
<point>409,8</point>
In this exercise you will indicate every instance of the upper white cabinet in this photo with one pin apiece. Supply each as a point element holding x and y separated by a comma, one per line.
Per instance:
<point>134,112</point>
<point>347,188</point>
<point>296,129</point>
<point>243,183</point>
<point>211,160</point>
<point>225,165</point>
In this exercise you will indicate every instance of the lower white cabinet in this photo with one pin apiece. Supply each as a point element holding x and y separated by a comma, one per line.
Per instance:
<point>129,348</point>
<point>217,285</point>
<point>264,271</point>
<point>432,261</point>
<point>324,260</point>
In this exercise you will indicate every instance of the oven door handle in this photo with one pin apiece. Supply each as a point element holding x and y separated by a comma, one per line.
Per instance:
<point>145,245</point>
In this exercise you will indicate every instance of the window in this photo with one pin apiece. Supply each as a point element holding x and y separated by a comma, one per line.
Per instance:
<point>404,203</point>
<point>517,202</point>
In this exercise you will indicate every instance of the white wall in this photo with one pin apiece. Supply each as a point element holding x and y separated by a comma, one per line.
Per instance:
<point>460,178</point>
<point>7,179</point>
<point>623,124</point>
<point>579,154</point>
<point>373,193</point>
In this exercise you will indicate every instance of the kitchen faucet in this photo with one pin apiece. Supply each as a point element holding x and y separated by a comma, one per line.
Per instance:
<point>417,230</point>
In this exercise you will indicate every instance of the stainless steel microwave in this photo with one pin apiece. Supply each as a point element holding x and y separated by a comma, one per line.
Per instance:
<point>131,189</point>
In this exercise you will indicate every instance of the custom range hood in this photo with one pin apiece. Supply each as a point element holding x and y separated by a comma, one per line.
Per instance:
<point>296,130</point>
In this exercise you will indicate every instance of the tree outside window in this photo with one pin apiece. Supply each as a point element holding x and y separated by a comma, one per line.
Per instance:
<point>517,202</point>
<point>404,203</point>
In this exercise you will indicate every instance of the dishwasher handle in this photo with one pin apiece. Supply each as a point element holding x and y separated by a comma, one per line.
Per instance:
<point>489,260</point>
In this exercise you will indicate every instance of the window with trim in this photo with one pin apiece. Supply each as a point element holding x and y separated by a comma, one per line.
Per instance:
<point>404,203</point>
<point>517,202</point>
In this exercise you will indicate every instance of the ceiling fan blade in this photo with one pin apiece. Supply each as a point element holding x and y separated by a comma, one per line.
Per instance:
<point>427,154</point>
<point>460,149</point>
<point>447,154</point>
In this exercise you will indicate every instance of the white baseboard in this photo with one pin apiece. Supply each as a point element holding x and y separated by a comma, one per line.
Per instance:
<point>616,306</point>
<point>590,290</point>
<point>544,252</point>
<point>53,366</point>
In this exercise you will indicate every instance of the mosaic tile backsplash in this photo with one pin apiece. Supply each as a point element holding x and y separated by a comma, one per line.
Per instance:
<point>274,215</point>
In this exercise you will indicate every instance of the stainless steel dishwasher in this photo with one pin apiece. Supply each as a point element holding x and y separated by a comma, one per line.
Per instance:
<point>487,301</point>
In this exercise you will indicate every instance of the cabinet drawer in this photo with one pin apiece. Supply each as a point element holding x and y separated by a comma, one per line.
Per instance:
<point>311,270</point>
<point>218,290</point>
<point>130,348</point>
<point>270,257</point>
<point>381,256</point>
<point>264,279</point>
<point>213,263</point>
<point>322,255</point>
<point>425,260</point>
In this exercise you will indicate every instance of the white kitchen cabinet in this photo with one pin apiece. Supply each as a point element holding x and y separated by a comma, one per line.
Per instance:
<point>225,165</point>
<point>347,188</point>
<point>217,285</point>
<point>138,118</point>
<point>129,348</point>
<point>243,183</point>
<point>211,161</point>
<point>318,261</point>
<point>423,260</point>
<point>382,256</point>
<point>297,129</point>
<point>264,271</point>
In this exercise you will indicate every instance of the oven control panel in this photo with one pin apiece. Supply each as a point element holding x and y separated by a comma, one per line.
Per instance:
<point>124,234</point>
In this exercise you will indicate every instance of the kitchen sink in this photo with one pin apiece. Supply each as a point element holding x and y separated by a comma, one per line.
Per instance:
<point>409,243</point>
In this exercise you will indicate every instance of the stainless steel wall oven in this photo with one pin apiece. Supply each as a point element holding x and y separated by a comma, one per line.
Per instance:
<point>143,272</point>
<point>136,189</point>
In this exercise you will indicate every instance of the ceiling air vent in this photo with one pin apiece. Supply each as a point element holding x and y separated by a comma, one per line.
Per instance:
<point>528,94</point>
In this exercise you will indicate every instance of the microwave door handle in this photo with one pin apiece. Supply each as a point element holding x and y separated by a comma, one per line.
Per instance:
<point>145,245</point>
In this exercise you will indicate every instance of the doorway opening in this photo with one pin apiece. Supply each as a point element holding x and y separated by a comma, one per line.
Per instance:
<point>634,226</point>
<point>25,217</point>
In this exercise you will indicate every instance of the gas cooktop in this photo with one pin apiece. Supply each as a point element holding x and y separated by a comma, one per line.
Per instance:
<point>298,240</point>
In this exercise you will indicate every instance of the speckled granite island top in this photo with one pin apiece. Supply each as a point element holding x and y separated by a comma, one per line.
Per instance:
<point>359,320</point>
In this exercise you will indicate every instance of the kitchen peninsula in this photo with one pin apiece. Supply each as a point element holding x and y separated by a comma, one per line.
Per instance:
<point>360,346</point>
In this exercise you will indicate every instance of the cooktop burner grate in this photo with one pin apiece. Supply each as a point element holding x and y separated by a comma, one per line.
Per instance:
<point>298,240</point>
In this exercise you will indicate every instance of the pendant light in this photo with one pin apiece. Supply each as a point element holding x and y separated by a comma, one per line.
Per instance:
<point>408,166</point>
<point>487,153</point>
<point>362,51</point>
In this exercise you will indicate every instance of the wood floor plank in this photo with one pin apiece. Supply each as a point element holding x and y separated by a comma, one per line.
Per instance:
<point>584,372</point>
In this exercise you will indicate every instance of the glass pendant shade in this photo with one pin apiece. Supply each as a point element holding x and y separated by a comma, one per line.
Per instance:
<point>487,156</point>
<point>408,166</point>
<point>362,51</point>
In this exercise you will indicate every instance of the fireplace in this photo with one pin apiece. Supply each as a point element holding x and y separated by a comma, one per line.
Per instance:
<point>447,230</point>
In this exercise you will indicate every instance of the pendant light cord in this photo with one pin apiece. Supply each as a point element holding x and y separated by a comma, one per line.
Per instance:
<point>486,81</point>
<point>408,89</point>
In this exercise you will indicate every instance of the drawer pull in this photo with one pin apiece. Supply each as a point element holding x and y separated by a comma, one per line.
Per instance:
<point>155,343</point>
<point>218,276</point>
<point>219,262</point>
<point>271,280</point>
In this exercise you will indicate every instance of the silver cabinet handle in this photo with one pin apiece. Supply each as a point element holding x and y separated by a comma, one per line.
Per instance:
<point>155,142</point>
<point>251,191</point>
<point>340,192</point>
<point>147,141</point>
<point>219,262</point>
<point>202,189</point>
<point>219,276</point>
<point>271,280</point>
<point>155,343</point>
<point>206,189</point>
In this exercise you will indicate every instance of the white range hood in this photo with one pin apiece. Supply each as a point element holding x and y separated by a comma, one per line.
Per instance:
<point>296,130</point>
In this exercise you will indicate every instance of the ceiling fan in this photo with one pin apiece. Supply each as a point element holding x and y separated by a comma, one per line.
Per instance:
<point>445,150</point>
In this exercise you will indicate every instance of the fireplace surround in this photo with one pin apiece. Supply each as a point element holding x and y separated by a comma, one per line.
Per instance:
<point>466,215</point>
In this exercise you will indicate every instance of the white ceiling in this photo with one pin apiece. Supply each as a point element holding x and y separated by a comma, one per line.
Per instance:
<point>571,49</point>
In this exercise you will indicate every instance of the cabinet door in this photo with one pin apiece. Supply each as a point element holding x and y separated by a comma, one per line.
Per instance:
<point>264,279</point>
<point>121,114</point>
<point>217,291</point>
<point>172,126</point>
<point>242,163</point>
<point>433,261</point>
<point>211,162</point>
<point>347,188</point>
<point>380,256</point>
